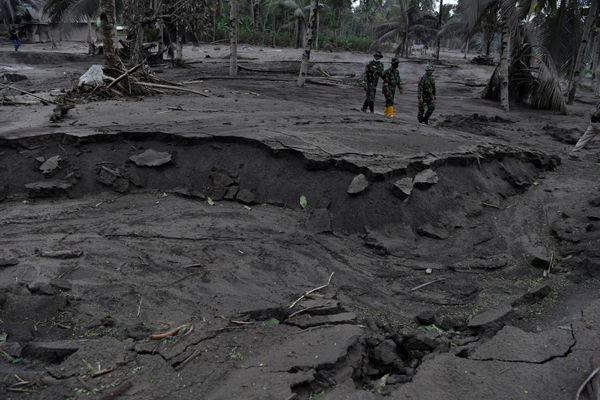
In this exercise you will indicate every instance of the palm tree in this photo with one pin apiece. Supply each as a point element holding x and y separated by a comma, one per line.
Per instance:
<point>308,41</point>
<point>413,20</point>
<point>11,9</point>
<point>574,76</point>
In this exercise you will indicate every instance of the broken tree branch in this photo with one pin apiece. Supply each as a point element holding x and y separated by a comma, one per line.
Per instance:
<point>156,85</point>
<point>30,94</point>
<point>116,392</point>
<point>172,332</point>
<point>126,73</point>
<point>427,284</point>
<point>587,380</point>
<point>312,291</point>
<point>182,364</point>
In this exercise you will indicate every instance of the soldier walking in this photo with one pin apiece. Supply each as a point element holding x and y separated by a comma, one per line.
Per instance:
<point>426,94</point>
<point>373,71</point>
<point>391,81</point>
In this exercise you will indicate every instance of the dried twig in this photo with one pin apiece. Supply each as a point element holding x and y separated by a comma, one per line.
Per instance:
<point>197,265</point>
<point>29,93</point>
<point>101,372</point>
<point>427,284</point>
<point>182,364</point>
<point>312,291</point>
<point>483,203</point>
<point>587,380</point>
<point>156,85</point>
<point>292,315</point>
<point>172,332</point>
<point>116,392</point>
<point>595,383</point>
<point>233,321</point>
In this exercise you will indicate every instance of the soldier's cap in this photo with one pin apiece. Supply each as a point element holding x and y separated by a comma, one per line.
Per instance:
<point>395,61</point>
<point>378,54</point>
<point>429,67</point>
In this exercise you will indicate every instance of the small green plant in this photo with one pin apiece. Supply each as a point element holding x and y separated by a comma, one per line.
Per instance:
<point>315,396</point>
<point>9,358</point>
<point>273,321</point>
<point>303,202</point>
<point>433,327</point>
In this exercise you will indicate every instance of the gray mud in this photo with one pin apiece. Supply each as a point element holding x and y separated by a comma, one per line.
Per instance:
<point>462,259</point>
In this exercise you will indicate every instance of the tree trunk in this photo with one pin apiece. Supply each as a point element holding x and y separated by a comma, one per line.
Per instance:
<point>252,13</point>
<point>179,42</point>
<point>437,51</point>
<point>467,46</point>
<point>575,74</point>
<point>308,41</point>
<point>504,65</point>
<point>317,31</point>
<point>233,36</point>
<point>107,19</point>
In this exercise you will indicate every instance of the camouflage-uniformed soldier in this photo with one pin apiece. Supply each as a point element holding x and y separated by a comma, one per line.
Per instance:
<point>426,94</point>
<point>391,81</point>
<point>373,72</point>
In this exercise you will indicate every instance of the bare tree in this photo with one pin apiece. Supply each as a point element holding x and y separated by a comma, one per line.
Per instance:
<point>308,41</point>
<point>233,36</point>
<point>437,51</point>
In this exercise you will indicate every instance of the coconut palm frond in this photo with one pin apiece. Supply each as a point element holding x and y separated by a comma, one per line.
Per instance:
<point>422,30</point>
<point>546,93</point>
<point>382,29</point>
<point>391,35</point>
<point>453,29</point>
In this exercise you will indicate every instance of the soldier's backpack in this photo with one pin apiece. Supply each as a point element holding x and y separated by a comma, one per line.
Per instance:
<point>595,115</point>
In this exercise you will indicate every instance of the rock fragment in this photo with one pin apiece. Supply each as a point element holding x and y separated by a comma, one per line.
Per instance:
<point>43,288</point>
<point>385,352</point>
<point>402,188</point>
<point>426,318</point>
<point>8,262</point>
<point>48,188</point>
<point>358,185</point>
<point>151,158</point>
<point>425,178</point>
<point>50,165</point>
<point>490,317</point>
<point>246,196</point>
<point>433,231</point>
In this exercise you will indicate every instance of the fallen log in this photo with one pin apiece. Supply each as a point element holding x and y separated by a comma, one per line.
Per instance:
<point>156,85</point>
<point>30,94</point>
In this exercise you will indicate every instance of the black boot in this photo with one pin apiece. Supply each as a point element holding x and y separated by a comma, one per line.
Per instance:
<point>372,106</point>
<point>365,105</point>
<point>420,118</point>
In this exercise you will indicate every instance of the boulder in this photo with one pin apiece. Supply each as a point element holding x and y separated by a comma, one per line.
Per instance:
<point>385,352</point>
<point>358,185</point>
<point>425,178</point>
<point>402,188</point>
<point>246,196</point>
<point>425,318</point>
<point>151,158</point>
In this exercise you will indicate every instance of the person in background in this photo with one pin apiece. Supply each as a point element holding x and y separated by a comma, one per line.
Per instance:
<point>373,71</point>
<point>13,35</point>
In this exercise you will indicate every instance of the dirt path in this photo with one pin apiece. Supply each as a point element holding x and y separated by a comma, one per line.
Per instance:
<point>213,215</point>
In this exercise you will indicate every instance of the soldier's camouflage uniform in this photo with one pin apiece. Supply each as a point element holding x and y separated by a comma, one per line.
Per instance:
<point>426,91</point>
<point>391,81</point>
<point>373,71</point>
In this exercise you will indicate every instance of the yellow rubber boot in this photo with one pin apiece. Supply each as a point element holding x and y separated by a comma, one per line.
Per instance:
<point>385,111</point>
<point>391,112</point>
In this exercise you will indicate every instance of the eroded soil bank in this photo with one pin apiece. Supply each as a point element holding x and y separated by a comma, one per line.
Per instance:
<point>151,251</point>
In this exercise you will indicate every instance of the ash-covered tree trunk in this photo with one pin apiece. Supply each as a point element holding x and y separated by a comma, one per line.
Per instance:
<point>107,19</point>
<point>178,42</point>
<point>503,68</point>
<point>308,41</point>
<point>575,74</point>
<point>233,36</point>
<point>467,46</point>
<point>437,40</point>
<point>136,12</point>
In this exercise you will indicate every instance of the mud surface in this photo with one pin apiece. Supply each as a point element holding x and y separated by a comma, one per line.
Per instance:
<point>160,247</point>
